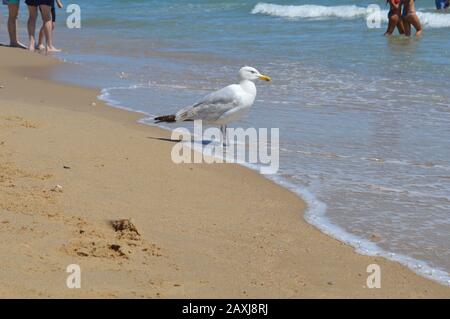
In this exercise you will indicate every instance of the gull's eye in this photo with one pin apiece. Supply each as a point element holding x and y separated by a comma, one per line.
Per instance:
<point>252,72</point>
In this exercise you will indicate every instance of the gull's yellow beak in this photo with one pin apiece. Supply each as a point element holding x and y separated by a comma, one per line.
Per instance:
<point>265,78</point>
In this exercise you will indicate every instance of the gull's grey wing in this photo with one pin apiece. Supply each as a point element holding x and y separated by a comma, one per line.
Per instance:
<point>211,107</point>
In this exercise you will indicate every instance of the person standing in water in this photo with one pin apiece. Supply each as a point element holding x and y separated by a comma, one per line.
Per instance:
<point>13,12</point>
<point>41,45</point>
<point>394,17</point>
<point>45,6</point>
<point>442,4</point>
<point>410,17</point>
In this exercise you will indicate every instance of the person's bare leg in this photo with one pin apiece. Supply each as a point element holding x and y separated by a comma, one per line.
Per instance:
<point>393,21</point>
<point>400,27</point>
<point>407,27</point>
<point>12,26</point>
<point>46,12</point>
<point>32,27</point>
<point>415,21</point>
<point>53,29</point>
<point>40,45</point>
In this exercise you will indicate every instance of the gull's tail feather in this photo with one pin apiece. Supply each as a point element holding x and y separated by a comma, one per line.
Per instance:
<point>165,118</point>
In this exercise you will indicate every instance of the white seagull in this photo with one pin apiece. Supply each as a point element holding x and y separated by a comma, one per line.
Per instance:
<point>223,106</point>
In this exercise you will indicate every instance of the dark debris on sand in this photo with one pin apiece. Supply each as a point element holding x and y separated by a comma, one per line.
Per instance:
<point>126,229</point>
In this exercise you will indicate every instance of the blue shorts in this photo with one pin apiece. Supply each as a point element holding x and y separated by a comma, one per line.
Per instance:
<point>11,1</point>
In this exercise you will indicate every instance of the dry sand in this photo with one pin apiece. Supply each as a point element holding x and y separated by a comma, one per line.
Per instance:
<point>205,230</point>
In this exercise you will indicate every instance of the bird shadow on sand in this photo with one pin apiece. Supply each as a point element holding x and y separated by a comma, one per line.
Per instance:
<point>203,142</point>
<point>163,139</point>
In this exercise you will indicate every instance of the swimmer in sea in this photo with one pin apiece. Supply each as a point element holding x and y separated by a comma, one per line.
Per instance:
<point>410,17</point>
<point>394,18</point>
<point>442,4</point>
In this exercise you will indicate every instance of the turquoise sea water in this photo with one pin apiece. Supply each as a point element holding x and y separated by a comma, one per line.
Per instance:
<point>364,120</point>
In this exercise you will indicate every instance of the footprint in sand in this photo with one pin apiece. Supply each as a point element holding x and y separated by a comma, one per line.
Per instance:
<point>124,243</point>
<point>18,121</point>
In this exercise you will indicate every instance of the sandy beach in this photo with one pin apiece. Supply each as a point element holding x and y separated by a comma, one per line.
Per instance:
<point>70,165</point>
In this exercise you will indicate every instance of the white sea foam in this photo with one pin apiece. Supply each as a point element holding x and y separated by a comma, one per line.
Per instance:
<point>434,20</point>
<point>310,11</point>
<point>105,96</point>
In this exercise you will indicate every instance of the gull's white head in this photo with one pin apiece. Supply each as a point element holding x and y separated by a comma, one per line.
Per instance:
<point>251,74</point>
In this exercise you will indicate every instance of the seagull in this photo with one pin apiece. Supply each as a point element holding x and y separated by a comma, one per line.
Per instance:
<point>224,106</point>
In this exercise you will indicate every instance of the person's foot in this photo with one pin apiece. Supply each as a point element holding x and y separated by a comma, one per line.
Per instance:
<point>52,49</point>
<point>40,47</point>
<point>418,33</point>
<point>18,45</point>
<point>31,46</point>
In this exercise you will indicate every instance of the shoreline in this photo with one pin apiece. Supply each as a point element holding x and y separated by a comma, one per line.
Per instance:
<point>267,228</point>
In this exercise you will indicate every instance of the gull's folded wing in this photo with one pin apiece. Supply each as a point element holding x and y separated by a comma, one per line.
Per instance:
<point>211,107</point>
